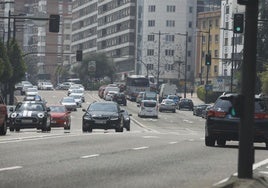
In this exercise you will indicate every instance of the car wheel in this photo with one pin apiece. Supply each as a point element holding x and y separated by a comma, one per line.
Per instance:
<point>174,111</point>
<point>266,145</point>
<point>48,128</point>
<point>210,141</point>
<point>17,129</point>
<point>11,129</point>
<point>3,129</point>
<point>221,142</point>
<point>85,128</point>
<point>128,127</point>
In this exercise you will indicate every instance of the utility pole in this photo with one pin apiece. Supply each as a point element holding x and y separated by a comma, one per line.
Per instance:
<point>158,60</point>
<point>208,66</point>
<point>246,147</point>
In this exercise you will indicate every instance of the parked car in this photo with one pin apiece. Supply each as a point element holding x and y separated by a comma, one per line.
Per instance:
<point>103,115</point>
<point>148,108</point>
<point>120,98</point>
<point>60,116</point>
<point>198,109</point>
<point>30,114</point>
<point>3,117</point>
<point>69,103</point>
<point>127,120</point>
<point>186,104</point>
<point>167,105</point>
<point>205,111</point>
<point>222,125</point>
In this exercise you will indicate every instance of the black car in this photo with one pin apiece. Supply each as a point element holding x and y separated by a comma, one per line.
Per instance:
<point>222,125</point>
<point>126,117</point>
<point>186,104</point>
<point>103,115</point>
<point>198,109</point>
<point>30,114</point>
<point>120,98</point>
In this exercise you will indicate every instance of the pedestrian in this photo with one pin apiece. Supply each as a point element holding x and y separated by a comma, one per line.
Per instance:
<point>192,93</point>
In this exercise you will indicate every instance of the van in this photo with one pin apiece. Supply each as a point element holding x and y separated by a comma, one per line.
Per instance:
<point>148,108</point>
<point>167,89</point>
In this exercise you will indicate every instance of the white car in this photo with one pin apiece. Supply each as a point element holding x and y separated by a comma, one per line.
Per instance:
<point>78,99</point>
<point>69,103</point>
<point>75,87</point>
<point>47,86</point>
<point>79,93</point>
<point>31,91</point>
<point>109,96</point>
<point>148,108</point>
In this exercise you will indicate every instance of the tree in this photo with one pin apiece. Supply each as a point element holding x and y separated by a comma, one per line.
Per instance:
<point>104,67</point>
<point>6,70</point>
<point>18,66</point>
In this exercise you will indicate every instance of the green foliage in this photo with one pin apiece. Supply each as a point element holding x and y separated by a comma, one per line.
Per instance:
<point>264,80</point>
<point>5,65</point>
<point>211,96</point>
<point>104,67</point>
<point>18,64</point>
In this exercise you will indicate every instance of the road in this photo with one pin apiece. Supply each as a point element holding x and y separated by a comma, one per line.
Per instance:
<point>164,152</point>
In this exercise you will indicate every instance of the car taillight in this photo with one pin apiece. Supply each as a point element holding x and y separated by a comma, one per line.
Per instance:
<point>261,116</point>
<point>213,113</point>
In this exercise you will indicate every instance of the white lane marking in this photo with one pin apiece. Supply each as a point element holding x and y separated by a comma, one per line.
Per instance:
<point>187,121</point>
<point>263,172</point>
<point>90,156</point>
<point>172,142</point>
<point>150,137</point>
<point>140,148</point>
<point>10,168</point>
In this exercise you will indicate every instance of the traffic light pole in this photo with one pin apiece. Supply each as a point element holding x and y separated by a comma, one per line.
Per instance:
<point>246,147</point>
<point>208,66</point>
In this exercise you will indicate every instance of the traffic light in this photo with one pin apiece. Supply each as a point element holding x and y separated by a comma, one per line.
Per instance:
<point>208,59</point>
<point>54,23</point>
<point>79,55</point>
<point>238,23</point>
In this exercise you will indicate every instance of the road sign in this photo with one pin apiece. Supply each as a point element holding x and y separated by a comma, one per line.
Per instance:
<point>208,87</point>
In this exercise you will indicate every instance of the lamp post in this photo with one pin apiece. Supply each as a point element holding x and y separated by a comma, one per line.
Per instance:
<point>186,54</point>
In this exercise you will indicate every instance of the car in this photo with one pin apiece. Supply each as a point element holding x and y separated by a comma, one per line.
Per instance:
<point>46,86</point>
<point>103,115</point>
<point>78,92</point>
<point>198,109</point>
<point>76,87</point>
<point>69,103</point>
<point>78,99</point>
<point>64,85</point>
<point>3,117</point>
<point>110,88</point>
<point>25,86</point>
<point>31,91</point>
<point>30,114</point>
<point>186,104</point>
<point>60,116</point>
<point>127,120</point>
<point>120,98</point>
<point>167,105</point>
<point>110,95</point>
<point>148,108</point>
<point>175,98</point>
<point>223,125</point>
<point>205,111</point>
<point>140,97</point>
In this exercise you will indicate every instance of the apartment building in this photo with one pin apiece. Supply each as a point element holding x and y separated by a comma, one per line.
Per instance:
<point>165,39</point>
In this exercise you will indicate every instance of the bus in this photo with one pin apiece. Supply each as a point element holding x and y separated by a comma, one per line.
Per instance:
<point>136,84</point>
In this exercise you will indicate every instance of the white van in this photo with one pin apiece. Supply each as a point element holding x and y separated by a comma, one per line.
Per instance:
<point>148,108</point>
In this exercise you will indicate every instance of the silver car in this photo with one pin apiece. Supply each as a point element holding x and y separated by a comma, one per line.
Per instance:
<point>167,105</point>
<point>69,103</point>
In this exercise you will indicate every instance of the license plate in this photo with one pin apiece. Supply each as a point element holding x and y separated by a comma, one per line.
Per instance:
<point>26,121</point>
<point>100,121</point>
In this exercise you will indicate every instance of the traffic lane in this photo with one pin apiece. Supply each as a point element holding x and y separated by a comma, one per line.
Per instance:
<point>137,160</point>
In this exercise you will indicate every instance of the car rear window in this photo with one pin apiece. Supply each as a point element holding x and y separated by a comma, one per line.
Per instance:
<point>149,104</point>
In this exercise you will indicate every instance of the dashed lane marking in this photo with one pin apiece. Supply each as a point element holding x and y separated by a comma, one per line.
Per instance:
<point>10,168</point>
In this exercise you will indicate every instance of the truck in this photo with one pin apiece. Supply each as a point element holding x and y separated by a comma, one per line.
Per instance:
<point>167,89</point>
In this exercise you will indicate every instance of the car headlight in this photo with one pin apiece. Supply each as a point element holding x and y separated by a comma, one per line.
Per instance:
<point>127,119</point>
<point>41,115</point>
<point>87,117</point>
<point>114,118</point>
<point>13,115</point>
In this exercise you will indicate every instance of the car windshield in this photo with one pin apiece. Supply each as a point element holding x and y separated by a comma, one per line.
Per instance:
<point>149,104</point>
<point>29,107</point>
<point>108,107</point>
<point>69,99</point>
<point>57,108</point>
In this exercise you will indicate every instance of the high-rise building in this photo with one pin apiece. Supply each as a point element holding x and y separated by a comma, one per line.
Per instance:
<point>165,39</point>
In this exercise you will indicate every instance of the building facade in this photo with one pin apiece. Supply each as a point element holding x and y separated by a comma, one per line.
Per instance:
<point>165,39</point>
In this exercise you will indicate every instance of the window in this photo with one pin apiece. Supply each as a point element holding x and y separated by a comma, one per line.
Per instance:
<point>190,9</point>
<point>171,8</point>
<point>151,8</point>
<point>170,38</point>
<point>151,23</point>
<point>169,67</point>
<point>150,52</point>
<point>215,68</point>
<point>226,42</point>
<point>217,38</point>
<point>150,66</point>
<point>216,53</point>
<point>169,52</point>
<point>203,39</point>
<point>150,37</point>
<point>217,22</point>
<point>204,24</point>
<point>190,24</point>
<point>170,23</point>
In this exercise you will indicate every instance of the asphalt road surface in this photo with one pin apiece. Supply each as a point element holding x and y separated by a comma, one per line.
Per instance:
<point>165,152</point>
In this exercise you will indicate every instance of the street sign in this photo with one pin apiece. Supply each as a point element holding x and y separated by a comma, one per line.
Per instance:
<point>208,87</point>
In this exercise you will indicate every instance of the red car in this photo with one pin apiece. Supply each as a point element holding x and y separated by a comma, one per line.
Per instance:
<point>60,117</point>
